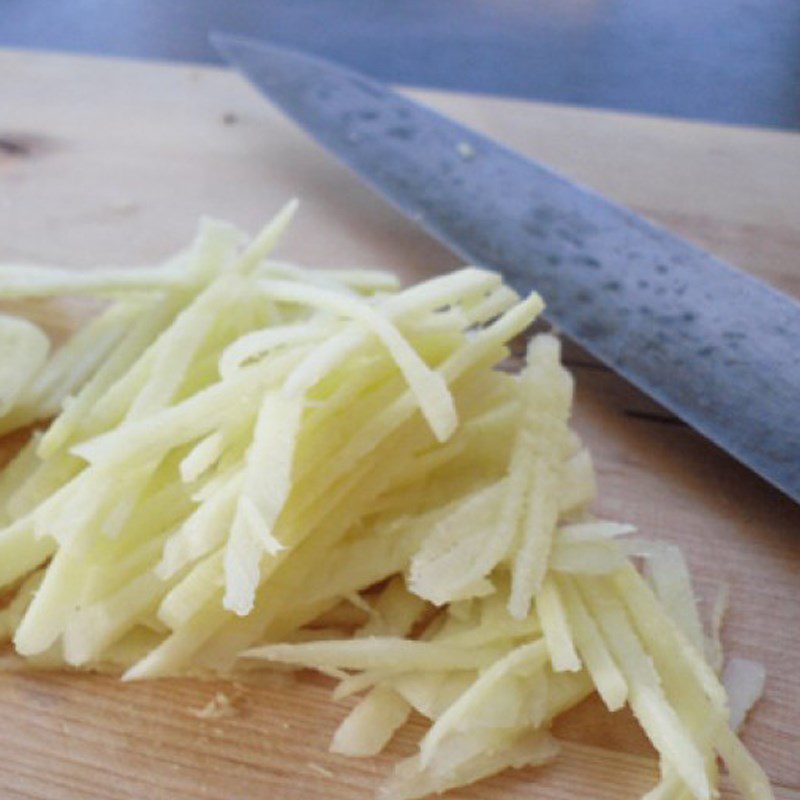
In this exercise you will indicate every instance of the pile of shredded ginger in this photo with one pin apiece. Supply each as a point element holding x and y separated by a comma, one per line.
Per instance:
<point>251,463</point>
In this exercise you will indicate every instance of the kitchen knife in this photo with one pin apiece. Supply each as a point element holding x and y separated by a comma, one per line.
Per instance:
<point>712,344</point>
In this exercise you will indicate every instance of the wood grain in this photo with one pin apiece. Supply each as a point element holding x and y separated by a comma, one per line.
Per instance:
<point>113,162</point>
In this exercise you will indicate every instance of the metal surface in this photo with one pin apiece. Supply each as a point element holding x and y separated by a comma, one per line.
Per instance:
<point>714,345</point>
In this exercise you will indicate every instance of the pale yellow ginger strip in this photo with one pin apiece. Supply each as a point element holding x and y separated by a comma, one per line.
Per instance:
<point>516,702</point>
<point>430,693</point>
<point>747,774</point>
<point>588,558</point>
<point>70,365</point>
<point>24,348</point>
<point>116,512</point>
<point>578,483</point>
<point>321,278</point>
<point>376,652</point>
<point>526,658</point>
<point>93,499</point>
<point>368,728</point>
<point>556,628</point>
<point>268,468</point>
<point>539,521</point>
<point>520,475</point>
<point>204,530</point>
<point>95,627</point>
<point>592,532</point>
<point>687,678</point>
<point>267,239</point>
<point>749,778</point>
<point>56,599</point>
<point>652,620</point>
<point>24,280</point>
<point>547,393</point>
<point>43,483</point>
<point>191,419</point>
<point>257,344</point>
<point>565,690</point>
<point>449,289</point>
<point>267,482</point>
<point>202,457</point>
<point>17,473</point>
<point>11,615</point>
<point>122,564</point>
<point>497,302</point>
<point>175,652</point>
<point>73,362</point>
<point>409,492</point>
<point>76,416</point>
<point>213,250</point>
<point>669,575</point>
<point>494,630</point>
<point>357,563</point>
<point>163,506</point>
<point>366,280</point>
<point>177,346</point>
<point>395,611</point>
<point>45,494</point>
<point>428,386</point>
<point>112,406</point>
<point>203,584</point>
<point>21,550</point>
<point>704,723</point>
<point>454,556</point>
<point>645,693</point>
<point>607,677</point>
<point>115,567</point>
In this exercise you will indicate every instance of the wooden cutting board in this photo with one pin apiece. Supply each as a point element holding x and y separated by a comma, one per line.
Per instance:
<point>113,162</point>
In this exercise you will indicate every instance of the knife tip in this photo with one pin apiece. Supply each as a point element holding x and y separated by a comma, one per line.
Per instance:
<point>266,63</point>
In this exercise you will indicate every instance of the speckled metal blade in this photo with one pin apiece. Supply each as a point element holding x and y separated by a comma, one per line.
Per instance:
<point>715,346</point>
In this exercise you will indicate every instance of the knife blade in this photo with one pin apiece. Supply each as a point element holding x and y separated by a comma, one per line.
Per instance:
<point>714,345</point>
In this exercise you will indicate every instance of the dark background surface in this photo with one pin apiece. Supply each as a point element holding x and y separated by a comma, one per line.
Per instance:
<point>725,60</point>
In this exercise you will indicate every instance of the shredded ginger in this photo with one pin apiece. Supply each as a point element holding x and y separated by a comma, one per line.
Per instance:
<point>251,464</point>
